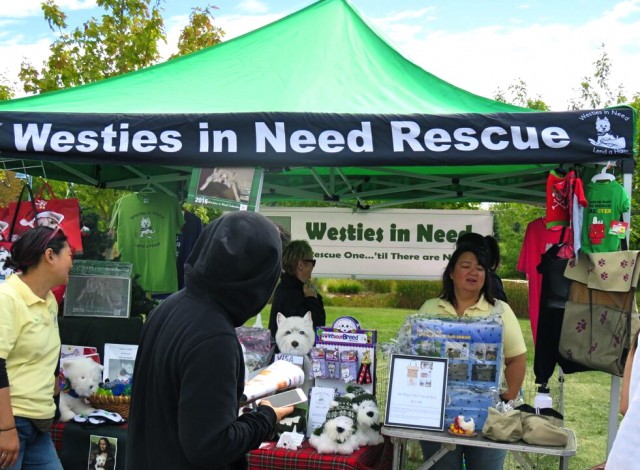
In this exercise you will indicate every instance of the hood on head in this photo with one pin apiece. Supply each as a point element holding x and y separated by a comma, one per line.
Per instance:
<point>236,263</point>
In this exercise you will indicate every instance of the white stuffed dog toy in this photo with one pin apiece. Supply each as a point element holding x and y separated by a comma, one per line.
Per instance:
<point>337,433</point>
<point>365,405</point>
<point>295,336</point>
<point>83,376</point>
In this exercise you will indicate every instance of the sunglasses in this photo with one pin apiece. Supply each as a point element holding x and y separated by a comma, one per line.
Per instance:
<point>50,237</point>
<point>312,261</point>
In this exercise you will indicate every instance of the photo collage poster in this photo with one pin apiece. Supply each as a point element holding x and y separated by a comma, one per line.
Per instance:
<point>474,351</point>
<point>99,289</point>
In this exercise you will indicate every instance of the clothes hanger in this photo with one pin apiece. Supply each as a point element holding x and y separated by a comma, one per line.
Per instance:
<point>148,189</point>
<point>560,170</point>
<point>604,175</point>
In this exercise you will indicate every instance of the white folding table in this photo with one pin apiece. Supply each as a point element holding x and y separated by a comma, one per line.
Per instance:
<point>448,442</point>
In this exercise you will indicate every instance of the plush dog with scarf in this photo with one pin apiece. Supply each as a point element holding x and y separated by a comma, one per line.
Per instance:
<point>81,378</point>
<point>337,433</point>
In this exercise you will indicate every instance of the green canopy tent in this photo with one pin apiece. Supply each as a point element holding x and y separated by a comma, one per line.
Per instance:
<point>323,103</point>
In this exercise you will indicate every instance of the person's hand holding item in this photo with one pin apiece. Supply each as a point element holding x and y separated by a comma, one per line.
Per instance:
<point>281,412</point>
<point>309,289</point>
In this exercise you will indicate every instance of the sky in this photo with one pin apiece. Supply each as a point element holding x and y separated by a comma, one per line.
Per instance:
<point>478,45</point>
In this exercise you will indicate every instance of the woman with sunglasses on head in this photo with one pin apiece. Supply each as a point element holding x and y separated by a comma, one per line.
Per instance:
<point>30,348</point>
<point>296,295</point>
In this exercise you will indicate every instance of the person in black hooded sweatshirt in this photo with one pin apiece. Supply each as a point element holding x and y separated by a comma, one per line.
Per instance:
<point>189,370</point>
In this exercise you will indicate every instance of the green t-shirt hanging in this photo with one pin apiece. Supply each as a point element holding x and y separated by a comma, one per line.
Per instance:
<point>146,226</point>
<point>606,203</point>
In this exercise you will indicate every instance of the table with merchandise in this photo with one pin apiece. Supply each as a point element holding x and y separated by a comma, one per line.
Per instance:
<point>448,442</point>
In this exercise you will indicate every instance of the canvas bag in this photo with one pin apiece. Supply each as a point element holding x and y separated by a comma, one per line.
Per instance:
<point>601,315</point>
<point>543,430</point>
<point>8,222</point>
<point>503,427</point>
<point>63,212</point>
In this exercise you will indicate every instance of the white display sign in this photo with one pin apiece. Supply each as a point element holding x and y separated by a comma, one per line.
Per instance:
<point>417,392</point>
<point>381,244</point>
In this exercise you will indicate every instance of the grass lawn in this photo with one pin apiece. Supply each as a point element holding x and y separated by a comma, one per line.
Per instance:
<point>586,394</point>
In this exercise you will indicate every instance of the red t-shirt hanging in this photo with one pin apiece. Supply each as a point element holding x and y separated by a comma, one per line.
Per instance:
<point>537,240</point>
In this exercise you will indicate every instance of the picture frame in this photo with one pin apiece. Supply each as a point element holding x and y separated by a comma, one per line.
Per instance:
<point>103,451</point>
<point>99,289</point>
<point>226,188</point>
<point>119,360</point>
<point>417,392</point>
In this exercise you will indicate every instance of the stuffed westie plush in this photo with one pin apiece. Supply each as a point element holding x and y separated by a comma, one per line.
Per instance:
<point>368,416</point>
<point>295,336</point>
<point>337,433</point>
<point>82,377</point>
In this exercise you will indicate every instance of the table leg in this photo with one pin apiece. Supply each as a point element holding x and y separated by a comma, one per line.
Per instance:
<point>444,448</point>
<point>564,463</point>
<point>399,451</point>
<point>523,460</point>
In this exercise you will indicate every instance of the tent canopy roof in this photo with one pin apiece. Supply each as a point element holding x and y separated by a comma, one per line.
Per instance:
<point>321,59</point>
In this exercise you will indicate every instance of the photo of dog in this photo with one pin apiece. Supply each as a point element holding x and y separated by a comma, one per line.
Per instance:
<point>101,462</point>
<point>233,184</point>
<point>223,184</point>
<point>125,371</point>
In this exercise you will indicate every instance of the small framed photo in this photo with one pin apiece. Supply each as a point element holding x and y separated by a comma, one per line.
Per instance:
<point>417,392</point>
<point>102,452</point>
<point>98,289</point>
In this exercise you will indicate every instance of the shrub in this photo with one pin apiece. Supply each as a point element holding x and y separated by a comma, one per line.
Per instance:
<point>412,294</point>
<point>379,286</point>
<point>360,301</point>
<point>518,296</point>
<point>344,286</point>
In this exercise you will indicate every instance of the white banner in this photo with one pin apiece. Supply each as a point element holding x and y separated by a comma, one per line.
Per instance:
<point>381,244</point>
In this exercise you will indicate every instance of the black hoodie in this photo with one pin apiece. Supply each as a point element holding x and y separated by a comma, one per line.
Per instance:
<point>189,371</point>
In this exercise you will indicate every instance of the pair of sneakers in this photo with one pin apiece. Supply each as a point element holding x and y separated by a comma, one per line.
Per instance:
<point>100,417</point>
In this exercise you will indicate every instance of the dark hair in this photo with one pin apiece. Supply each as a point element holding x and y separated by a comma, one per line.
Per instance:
<point>107,447</point>
<point>487,242</point>
<point>285,235</point>
<point>27,250</point>
<point>448,292</point>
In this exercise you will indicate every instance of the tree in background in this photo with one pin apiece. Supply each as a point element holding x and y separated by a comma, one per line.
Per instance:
<point>510,223</point>
<point>125,38</point>
<point>596,91</point>
<point>6,88</point>
<point>518,94</point>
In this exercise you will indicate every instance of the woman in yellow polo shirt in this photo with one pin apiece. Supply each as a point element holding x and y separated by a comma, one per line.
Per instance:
<point>30,348</point>
<point>467,292</point>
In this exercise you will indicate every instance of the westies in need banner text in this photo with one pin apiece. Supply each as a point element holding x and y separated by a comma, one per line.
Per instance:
<point>382,244</point>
